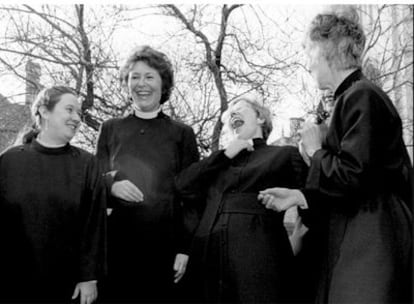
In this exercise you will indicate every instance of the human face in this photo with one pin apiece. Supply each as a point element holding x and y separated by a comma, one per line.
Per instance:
<point>63,121</point>
<point>244,122</point>
<point>319,67</point>
<point>145,86</point>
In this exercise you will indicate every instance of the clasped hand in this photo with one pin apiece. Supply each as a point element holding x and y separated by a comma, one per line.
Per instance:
<point>280,199</point>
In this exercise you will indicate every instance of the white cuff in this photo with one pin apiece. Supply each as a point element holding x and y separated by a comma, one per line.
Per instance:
<point>303,203</point>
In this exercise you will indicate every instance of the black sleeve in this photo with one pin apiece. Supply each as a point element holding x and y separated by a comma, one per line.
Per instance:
<point>93,225</point>
<point>342,173</point>
<point>187,216</point>
<point>300,169</point>
<point>192,182</point>
<point>103,155</point>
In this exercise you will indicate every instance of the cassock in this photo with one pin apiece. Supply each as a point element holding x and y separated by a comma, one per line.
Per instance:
<point>145,237</point>
<point>52,222</point>
<point>359,190</point>
<point>241,251</point>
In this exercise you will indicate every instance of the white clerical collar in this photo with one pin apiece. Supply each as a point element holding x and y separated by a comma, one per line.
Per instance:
<point>145,115</point>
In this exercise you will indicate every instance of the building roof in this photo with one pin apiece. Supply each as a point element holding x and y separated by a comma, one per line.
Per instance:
<point>13,118</point>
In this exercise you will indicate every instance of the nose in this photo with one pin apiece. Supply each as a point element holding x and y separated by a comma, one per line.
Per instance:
<point>141,81</point>
<point>76,116</point>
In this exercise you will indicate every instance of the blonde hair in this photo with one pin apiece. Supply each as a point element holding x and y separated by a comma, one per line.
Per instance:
<point>261,111</point>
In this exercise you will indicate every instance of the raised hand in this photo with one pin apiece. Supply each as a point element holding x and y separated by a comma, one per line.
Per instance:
<point>237,145</point>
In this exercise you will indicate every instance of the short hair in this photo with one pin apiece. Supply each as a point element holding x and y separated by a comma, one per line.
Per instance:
<point>340,36</point>
<point>156,60</point>
<point>262,112</point>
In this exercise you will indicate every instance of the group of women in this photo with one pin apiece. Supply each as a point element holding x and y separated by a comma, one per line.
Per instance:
<point>181,229</point>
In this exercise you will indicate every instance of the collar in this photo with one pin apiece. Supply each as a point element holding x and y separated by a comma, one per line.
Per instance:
<point>258,142</point>
<point>348,82</point>
<point>49,150</point>
<point>145,115</point>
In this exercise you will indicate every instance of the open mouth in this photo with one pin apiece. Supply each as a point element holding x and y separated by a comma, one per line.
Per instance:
<point>143,94</point>
<point>236,122</point>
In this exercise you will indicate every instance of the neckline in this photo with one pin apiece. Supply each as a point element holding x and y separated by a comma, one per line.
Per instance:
<point>348,82</point>
<point>49,150</point>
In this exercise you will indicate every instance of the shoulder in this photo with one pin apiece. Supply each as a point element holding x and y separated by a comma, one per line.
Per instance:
<point>81,153</point>
<point>178,125</point>
<point>365,95</point>
<point>14,150</point>
<point>113,122</point>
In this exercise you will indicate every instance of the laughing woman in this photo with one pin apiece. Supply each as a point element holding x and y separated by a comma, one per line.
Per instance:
<point>141,154</point>
<point>52,209</point>
<point>241,251</point>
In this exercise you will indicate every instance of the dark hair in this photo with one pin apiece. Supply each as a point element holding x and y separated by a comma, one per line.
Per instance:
<point>156,60</point>
<point>48,98</point>
<point>340,36</point>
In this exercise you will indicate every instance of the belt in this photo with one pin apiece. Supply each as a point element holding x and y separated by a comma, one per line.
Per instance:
<point>246,203</point>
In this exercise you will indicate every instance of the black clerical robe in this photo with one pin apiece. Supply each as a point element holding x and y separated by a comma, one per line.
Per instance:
<point>52,222</point>
<point>360,191</point>
<point>145,237</point>
<point>241,251</point>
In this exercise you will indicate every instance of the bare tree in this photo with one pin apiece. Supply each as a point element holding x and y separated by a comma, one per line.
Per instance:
<point>71,47</point>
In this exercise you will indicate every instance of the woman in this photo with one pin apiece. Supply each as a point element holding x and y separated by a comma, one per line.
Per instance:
<point>52,209</point>
<point>141,154</point>
<point>241,251</point>
<point>359,177</point>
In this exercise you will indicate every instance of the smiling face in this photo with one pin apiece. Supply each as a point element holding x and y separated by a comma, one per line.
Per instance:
<point>145,86</point>
<point>62,122</point>
<point>244,121</point>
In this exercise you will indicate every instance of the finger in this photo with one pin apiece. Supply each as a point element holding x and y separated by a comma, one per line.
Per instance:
<point>75,292</point>
<point>176,265</point>
<point>82,298</point>
<point>179,274</point>
<point>134,192</point>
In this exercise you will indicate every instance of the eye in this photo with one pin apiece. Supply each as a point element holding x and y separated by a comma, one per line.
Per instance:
<point>69,110</point>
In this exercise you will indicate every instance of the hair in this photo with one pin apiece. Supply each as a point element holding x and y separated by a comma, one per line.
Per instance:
<point>340,36</point>
<point>48,97</point>
<point>261,111</point>
<point>156,60</point>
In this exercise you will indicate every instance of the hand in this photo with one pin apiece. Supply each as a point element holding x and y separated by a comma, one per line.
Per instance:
<point>88,292</point>
<point>236,145</point>
<point>280,199</point>
<point>127,191</point>
<point>312,136</point>
<point>180,265</point>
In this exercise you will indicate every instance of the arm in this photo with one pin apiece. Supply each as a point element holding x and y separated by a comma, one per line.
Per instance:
<point>93,232</point>
<point>115,182</point>
<point>345,172</point>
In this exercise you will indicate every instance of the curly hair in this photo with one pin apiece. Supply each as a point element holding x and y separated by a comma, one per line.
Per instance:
<point>340,36</point>
<point>261,111</point>
<point>156,60</point>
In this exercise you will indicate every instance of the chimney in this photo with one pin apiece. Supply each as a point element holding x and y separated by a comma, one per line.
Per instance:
<point>33,86</point>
